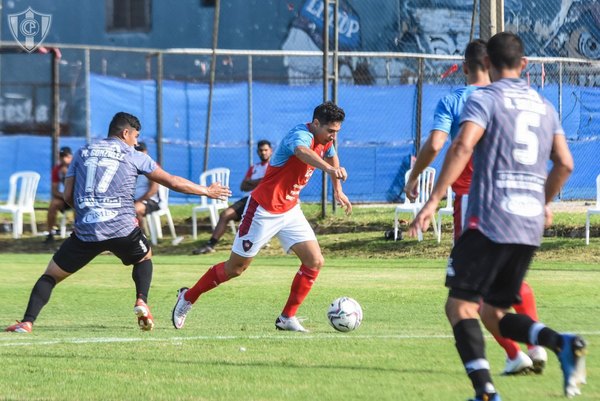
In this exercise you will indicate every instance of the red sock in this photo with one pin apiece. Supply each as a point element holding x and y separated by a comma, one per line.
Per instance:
<point>301,286</point>
<point>212,278</point>
<point>527,305</point>
<point>511,347</point>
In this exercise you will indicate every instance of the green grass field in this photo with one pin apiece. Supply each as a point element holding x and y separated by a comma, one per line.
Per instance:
<point>86,346</point>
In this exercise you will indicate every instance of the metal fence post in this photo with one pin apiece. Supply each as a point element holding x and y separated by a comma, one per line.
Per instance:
<point>88,102</point>
<point>419,107</point>
<point>55,104</point>
<point>213,67</point>
<point>159,107</point>
<point>560,106</point>
<point>325,95</point>
<point>250,115</point>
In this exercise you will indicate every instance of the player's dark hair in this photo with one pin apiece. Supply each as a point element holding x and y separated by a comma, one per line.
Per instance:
<point>122,121</point>
<point>505,50</point>
<point>264,142</point>
<point>475,52</point>
<point>329,112</point>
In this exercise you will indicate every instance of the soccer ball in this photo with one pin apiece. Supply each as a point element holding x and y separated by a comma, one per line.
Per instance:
<point>344,314</point>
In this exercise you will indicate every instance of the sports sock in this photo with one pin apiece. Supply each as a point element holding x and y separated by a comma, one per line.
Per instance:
<point>142,277</point>
<point>40,294</point>
<point>471,349</point>
<point>212,278</point>
<point>510,347</point>
<point>212,241</point>
<point>527,305</point>
<point>523,329</point>
<point>301,285</point>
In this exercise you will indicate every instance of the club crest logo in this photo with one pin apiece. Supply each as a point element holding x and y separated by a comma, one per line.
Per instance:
<point>247,244</point>
<point>29,28</point>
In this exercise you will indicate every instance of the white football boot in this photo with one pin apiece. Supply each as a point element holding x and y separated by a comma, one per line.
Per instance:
<point>539,357</point>
<point>520,365</point>
<point>181,309</point>
<point>289,324</point>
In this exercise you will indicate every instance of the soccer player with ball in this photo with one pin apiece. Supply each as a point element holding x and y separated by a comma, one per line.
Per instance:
<point>511,132</point>
<point>273,209</point>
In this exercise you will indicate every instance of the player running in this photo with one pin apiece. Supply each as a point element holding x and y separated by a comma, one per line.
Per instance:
<point>273,209</point>
<point>100,186</point>
<point>511,132</point>
<point>446,121</point>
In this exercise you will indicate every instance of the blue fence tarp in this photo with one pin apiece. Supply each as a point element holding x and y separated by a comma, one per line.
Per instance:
<point>376,138</point>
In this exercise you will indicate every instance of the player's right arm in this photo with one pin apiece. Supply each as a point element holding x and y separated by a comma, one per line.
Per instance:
<point>180,184</point>
<point>309,156</point>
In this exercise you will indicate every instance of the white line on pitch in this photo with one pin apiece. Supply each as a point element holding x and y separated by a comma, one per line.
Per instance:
<point>10,342</point>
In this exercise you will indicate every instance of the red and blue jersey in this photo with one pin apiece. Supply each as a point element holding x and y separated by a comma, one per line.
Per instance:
<point>447,119</point>
<point>286,175</point>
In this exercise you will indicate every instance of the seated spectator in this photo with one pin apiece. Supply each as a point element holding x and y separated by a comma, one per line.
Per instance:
<point>146,192</point>
<point>57,202</point>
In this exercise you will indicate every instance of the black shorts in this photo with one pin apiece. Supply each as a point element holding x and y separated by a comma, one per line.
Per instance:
<point>480,268</point>
<point>239,207</point>
<point>74,253</point>
<point>151,206</point>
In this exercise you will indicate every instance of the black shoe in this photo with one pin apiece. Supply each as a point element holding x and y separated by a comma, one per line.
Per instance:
<point>49,240</point>
<point>389,235</point>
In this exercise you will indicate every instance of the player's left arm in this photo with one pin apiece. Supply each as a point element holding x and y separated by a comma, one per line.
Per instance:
<point>338,193</point>
<point>562,167</point>
<point>55,190</point>
<point>459,154</point>
<point>248,184</point>
<point>183,185</point>
<point>68,191</point>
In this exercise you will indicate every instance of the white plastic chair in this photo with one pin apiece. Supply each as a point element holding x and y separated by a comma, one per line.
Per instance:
<point>424,189</point>
<point>153,219</point>
<point>21,198</point>
<point>445,211</point>
<point>591,211</point>
<point>212,206</point>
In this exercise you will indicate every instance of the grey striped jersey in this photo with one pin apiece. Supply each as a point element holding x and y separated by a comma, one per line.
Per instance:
<point>510,162</point>
<point>105,174</point>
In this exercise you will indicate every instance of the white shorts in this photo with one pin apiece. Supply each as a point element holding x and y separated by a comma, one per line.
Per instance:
<point>258,226</point>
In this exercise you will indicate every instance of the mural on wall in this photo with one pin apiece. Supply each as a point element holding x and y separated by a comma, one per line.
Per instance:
<point>306,33</point>
<point>575,31</point>
<point>567,28</point>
